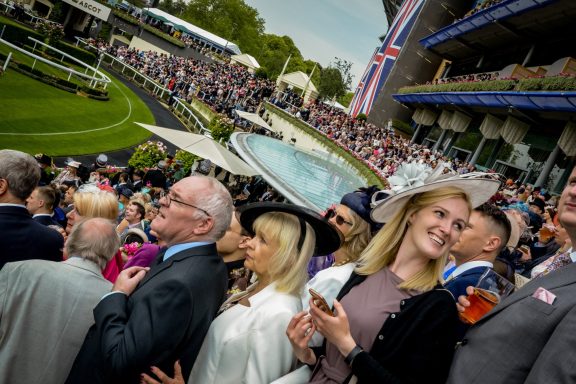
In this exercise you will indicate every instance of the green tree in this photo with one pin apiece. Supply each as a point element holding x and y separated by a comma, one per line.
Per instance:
<point>344,66</point>
<point>346,99</point>
<point>331,83</point>
<point>231,19</point>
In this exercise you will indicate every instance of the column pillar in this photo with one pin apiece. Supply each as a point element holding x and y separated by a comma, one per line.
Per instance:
<point>494,155</point>
<point>478,150</point>
<point>451,142</point>
<point>440,140</point>
<point>416,133</point>
<point>547,167</point>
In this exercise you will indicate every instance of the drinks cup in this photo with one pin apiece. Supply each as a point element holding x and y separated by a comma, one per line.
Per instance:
<point>490,289</point>
<point>545,234</point>
<point>481,302</point>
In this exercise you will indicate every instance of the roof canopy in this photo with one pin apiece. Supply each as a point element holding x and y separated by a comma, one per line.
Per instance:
<point>246,60</point>
<point>299,80</point>
<point>204,147</point>
<point>191,29</point>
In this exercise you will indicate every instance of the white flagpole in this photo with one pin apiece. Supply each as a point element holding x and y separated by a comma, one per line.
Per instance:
<point>309,80</point>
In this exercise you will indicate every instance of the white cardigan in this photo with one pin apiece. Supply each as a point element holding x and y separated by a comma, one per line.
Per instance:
<point>249,344</point>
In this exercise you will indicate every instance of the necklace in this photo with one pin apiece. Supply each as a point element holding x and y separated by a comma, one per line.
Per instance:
<point>345,261</point>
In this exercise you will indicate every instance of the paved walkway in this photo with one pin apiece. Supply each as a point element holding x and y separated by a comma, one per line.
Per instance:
<point>163,117</point>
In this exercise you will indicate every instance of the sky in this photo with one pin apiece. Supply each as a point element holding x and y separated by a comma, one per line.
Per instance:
<point>324,29</point>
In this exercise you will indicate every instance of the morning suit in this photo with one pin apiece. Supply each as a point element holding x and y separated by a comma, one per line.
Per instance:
<point>523,339</point>
<point>22,238</point>
<point>45,312</point>
<point>163,320</point>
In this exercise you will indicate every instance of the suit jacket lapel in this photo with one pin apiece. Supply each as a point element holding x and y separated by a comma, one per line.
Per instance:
<point>163,265</point>
<point>559,278</point>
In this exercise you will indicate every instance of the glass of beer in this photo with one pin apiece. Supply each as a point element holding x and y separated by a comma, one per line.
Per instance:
<point>491,288</point>
<point>546,233</point>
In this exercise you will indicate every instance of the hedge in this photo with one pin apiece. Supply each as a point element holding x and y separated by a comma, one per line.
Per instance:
<point>557,83</point>
<point>18,35</point>
<point>77,52</point>
<point>60,83</point>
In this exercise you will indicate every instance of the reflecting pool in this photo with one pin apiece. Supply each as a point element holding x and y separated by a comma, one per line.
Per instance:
<point>314,180</point>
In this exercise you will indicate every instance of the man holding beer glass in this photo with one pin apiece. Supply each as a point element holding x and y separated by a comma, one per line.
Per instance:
<point>486,234</point>
<point>530,336</point>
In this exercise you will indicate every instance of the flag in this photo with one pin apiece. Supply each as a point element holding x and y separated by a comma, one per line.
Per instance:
<point>383,60</point>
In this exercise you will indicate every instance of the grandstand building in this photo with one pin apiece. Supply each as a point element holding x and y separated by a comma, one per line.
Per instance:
<point>488,81</point>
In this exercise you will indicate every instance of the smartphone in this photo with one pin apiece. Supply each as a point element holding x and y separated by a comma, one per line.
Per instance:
<point>320,302</point>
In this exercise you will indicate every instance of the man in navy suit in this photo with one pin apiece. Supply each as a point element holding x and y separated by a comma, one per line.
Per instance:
<point>21,237</point>
<point>485,236</point>
<point>158,317</point>
<point>40,204</point>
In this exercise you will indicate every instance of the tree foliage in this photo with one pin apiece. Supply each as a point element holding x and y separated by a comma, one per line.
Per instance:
<point>235,21</point>
<point>335,80</point>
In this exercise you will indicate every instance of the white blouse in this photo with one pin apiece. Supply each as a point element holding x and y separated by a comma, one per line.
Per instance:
<point>328,282</point>
<point>249,344</point>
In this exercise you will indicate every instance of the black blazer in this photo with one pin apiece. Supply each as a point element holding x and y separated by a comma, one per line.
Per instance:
<point>165,319</point>
<point>45,220</point>
<point>414,345</point>
<point>22,238</point>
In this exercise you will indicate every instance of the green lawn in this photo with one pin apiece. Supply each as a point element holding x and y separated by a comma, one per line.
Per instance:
<point>36,117</point>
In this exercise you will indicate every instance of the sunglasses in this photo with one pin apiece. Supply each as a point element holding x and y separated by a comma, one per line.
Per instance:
<point>331,213</point>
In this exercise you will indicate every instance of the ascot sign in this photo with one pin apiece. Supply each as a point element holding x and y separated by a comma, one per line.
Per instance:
<point>92,7</point>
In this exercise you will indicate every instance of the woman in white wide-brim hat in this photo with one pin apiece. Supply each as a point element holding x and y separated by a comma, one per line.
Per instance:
<point>394,322</point>
<point>246,342</point>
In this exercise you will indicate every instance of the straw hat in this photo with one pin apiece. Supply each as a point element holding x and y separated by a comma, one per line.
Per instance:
<point>328,238</point>
<point>414,178</point>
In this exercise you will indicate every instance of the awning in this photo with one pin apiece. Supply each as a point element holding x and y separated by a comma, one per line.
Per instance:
<point>254,118</point>
<point>204,147</point>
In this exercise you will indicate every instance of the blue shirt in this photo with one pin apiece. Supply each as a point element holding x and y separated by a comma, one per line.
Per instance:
<point>181,247</point>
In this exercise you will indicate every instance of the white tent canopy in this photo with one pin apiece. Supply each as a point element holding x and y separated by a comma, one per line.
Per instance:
<point>254,118</point>
<point>246,60</point>
<point>204,147</point>
<point>193,30</point>
<point>335,104</point>
<point>298,80</point>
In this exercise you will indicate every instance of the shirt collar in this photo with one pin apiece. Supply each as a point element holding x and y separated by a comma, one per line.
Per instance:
<point>183,246</point>
<point>572,253</point>
<point>469,265</point>
<point>12,205</point>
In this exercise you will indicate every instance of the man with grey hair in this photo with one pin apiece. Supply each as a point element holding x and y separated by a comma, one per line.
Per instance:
<point>158,317</point>
<point>21,237</point>
<point>46,307</point>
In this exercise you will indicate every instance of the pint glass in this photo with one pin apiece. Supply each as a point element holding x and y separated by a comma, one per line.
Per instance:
<point>491,288</point>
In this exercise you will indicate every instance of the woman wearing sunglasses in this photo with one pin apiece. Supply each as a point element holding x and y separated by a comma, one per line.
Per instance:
<point>246,343</point>
<point>394,322</point>
<point>352,218</point>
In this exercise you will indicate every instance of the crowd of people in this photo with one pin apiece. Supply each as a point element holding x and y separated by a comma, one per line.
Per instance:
<point>171,276</point>
<point>207,288</point>
<point>223,86</point>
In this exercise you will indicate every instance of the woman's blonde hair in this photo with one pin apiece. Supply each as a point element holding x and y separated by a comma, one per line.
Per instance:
<point>358,237</point>
<point>288,266</point>
<point>96,204</point>
<point>382,250</point>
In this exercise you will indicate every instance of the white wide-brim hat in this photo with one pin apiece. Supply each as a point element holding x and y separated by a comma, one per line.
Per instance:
<point>411,179</point>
